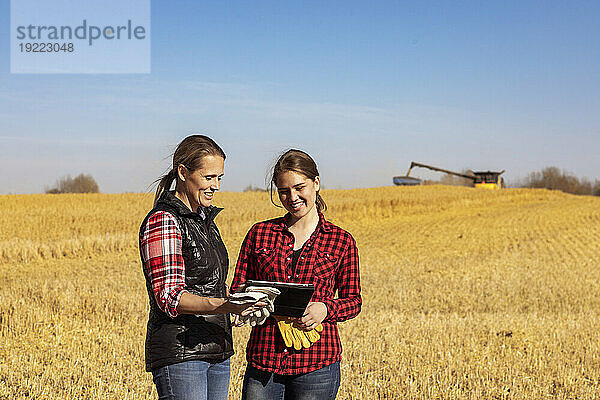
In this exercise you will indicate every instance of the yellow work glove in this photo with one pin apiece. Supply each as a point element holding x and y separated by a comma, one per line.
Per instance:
<point>295,337</point>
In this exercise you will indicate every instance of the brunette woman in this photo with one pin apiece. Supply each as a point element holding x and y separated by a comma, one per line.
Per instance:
<point>301,247</point>
<point>188,340</point>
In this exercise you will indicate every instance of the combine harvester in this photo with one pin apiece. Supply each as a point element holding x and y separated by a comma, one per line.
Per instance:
<point>481,179</point>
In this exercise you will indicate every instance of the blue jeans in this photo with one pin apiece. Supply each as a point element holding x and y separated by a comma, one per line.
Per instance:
<point>192,380</point>
<point>322,384</point>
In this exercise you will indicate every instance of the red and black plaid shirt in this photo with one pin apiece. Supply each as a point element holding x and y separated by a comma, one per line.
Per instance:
<point>329,260</point>
<point>163,260</point>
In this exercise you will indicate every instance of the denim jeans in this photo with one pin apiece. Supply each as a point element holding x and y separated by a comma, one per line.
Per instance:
<point>321,384</point>
<point>192,380</point>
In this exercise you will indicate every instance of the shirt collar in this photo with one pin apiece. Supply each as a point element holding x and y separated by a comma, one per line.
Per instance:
<point>324,225</point>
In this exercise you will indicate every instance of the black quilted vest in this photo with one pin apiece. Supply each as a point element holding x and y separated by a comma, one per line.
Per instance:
<point>191,337</point>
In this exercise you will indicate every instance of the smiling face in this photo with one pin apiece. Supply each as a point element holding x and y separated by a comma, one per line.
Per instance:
<point>297,193</point>
<point>198,187</point>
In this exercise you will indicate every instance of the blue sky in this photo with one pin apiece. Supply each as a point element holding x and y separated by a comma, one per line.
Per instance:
<point>364,87</point>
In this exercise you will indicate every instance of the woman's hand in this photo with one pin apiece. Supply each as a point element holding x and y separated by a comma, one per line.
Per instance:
<point>257,319</point>
<point>193,304</point>
<point>243,309</point>
<point>314,314</point>
<point>237,321</point>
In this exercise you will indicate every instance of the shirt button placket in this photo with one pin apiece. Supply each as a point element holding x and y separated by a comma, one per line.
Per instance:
<point>284,360</point>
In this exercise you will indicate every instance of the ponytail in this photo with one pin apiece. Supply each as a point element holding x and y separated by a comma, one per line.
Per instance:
<point>321,206</point>
<point>164,183</point>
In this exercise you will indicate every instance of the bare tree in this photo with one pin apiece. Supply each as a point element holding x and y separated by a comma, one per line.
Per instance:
<point>554,179</point>
<point>596,188</point>
<point>82,183</point>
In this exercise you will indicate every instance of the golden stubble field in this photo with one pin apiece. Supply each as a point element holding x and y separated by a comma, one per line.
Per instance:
<point>468,294</point>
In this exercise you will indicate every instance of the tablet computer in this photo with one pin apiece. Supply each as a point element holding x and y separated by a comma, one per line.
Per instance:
<point>293,299</point>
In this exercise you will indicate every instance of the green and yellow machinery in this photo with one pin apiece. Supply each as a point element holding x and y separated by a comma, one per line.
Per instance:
<point>481,179</point>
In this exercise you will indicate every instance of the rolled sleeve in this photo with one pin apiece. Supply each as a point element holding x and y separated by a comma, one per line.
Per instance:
<point>163,260</point>
<point>349,301</point>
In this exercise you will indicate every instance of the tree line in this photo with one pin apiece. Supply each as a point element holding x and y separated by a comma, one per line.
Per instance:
<point>548,178</point>
<point>554,179</point>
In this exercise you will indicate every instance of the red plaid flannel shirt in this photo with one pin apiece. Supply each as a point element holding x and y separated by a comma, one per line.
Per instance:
<point>329,260</point>
<point>163,260</point>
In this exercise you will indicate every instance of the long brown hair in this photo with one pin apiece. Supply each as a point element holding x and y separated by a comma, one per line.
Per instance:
<point>300,162</point>
<point>188,153</point>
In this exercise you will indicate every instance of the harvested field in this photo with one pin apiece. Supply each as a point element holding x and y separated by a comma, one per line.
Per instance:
<point>468,294</point>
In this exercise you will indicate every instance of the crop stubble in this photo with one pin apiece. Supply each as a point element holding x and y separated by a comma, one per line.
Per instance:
<point>467,294</point>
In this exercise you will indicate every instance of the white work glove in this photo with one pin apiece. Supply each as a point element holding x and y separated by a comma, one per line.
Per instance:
<point>247,298</point>
<point>269,291</point>
<point>258,317</point>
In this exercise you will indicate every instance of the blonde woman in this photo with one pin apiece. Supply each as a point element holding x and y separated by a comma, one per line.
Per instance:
<point>188,340</point>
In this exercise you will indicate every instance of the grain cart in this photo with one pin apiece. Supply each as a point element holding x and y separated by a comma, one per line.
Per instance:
<point>481,179</point>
